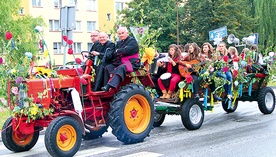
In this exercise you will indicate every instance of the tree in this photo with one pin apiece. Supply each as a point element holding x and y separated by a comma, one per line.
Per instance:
<point>200,17</point>
<point>265,13</point>
<point>14,62</point>
<point>155,14</point>
<point>196,18</point>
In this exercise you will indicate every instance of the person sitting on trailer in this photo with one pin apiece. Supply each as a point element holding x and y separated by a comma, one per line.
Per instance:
<point>171,67</point>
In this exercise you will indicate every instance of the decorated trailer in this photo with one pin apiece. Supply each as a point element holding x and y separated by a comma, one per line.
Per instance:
<point>246,86</point>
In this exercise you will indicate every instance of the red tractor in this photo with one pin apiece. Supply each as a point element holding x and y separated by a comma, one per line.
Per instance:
<point>78,112</point>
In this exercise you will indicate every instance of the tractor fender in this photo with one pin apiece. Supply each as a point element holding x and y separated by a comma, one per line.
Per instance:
<point>74,115</point>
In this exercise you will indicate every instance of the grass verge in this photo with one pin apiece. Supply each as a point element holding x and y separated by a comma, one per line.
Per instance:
<point>4,114</point>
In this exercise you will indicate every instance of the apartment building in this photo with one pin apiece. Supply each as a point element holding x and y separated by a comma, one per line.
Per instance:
<point>90,15</point>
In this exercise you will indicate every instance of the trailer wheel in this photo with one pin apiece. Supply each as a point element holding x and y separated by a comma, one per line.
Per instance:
<point>16,141</point>
<point>233,108</point>
<point>192,114</point>
<point>266,100</point>
<point>63,137</point>
<point>159,119</point>
<point>131,114</point>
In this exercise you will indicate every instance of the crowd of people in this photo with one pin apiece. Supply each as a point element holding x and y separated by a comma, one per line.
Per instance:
<point>122,57</point>
<point>202,56</point>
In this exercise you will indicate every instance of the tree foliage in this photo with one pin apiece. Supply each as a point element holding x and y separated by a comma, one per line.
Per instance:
<point>265,12</point>
<point>155,14</point>
<point>24,39</point>
<point>196,18</point>
<point>200,17</point>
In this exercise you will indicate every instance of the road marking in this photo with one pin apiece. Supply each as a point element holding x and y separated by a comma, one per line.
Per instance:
<point>94,151</point>
<point>144,154</point>
<point>42,150</point>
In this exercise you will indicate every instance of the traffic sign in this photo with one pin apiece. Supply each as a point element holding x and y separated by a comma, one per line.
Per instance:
<point>256,38</point>
<point>218,33</point>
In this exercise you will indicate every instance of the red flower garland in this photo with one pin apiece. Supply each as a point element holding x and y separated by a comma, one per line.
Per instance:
<point>8,35</point>
<point>189,79</point>
<point>78,60</point>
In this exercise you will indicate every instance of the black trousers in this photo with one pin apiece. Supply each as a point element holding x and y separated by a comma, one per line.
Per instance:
<point>119,73</point>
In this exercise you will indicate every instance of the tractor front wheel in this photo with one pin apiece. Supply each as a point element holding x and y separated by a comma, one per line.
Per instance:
<point>16,141</point>
<point>63,137</point>
<point>131,114</point>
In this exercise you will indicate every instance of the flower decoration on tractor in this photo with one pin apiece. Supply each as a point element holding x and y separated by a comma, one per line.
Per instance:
<point>16,69</point>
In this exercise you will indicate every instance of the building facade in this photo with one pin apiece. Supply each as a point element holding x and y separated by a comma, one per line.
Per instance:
<point>89,15</point>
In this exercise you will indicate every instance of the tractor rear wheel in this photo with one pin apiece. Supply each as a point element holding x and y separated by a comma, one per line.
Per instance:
<point>192,114</point>
<point>131,114</point>
<point>266,100</point>
<point>16,141</point>
<point>63,137</point>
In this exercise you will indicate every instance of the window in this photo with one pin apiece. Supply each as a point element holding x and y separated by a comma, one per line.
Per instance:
<point>74,3</point>
<point>77,48</point>
<point>36,3</point>
<point>91,25</point>
<point>57,47</point>
<point>78,25</point>
<point>89,46</point>
<point>91,5</point>
<point>57,3</point>
<point>21,11</point>
<point>54,25</point>
<point>119,6</point>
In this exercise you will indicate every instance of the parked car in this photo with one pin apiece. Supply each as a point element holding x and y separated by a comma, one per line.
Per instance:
<point>73,64</point>
<point>60,67</point>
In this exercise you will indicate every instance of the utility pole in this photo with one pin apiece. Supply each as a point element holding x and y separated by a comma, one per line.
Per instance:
<point>67,25</point>
<point>177,24</point>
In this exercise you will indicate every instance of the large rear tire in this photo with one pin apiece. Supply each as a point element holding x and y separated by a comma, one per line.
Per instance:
<point>131,114</point>
<point>16,141</point>
<point>266,100</point>
<point>159,119</point>
<point>192,114</point>
<point>63,137</point>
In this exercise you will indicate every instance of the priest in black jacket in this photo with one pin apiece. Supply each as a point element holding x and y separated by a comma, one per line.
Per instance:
<point>125,59</point>
<point>103,51</point>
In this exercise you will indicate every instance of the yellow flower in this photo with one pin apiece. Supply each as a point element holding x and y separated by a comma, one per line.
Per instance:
<point>47,72</point>
<point>46,53</point>
<point>13,71</point>
<point>39,70</point>
<point>148,55</point>
<point>34,109</point>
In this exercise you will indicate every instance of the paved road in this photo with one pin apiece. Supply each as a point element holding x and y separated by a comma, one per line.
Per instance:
<point>244,133</point>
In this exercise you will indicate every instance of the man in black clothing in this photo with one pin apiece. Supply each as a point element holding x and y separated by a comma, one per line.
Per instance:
<point>103,51</point>
<point>126,59</point>
<point>156,75</point>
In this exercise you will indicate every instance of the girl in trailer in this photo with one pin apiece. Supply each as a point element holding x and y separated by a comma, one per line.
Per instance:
<point>193,54</point>
<point>174,55</point>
